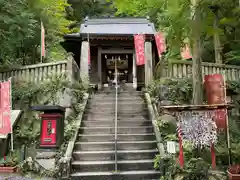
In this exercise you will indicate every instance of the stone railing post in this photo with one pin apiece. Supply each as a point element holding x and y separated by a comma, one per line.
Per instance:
<point>84,74</point>
<point>69,71</point>
<point>72,72</point>
<point>65,168</point>
<point>148,64</point>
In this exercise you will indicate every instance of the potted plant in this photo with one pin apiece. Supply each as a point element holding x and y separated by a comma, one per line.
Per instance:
<point>8,164</point>
<point>234,172</point>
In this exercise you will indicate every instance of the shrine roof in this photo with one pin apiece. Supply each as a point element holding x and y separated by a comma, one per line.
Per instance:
<point>115,26</point>
<point>128,26</point>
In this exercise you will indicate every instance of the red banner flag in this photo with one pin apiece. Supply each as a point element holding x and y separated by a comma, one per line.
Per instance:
<point>160,42</point>
<point>139,41</point>
<point>186,53</point>
<point>5,112</point>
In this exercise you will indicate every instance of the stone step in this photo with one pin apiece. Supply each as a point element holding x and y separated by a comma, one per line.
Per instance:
<point>120,113</point>
<point>120,94</point>
<point>120,137</point>
<point>112,104</point>
<point>104,101</point>
<point>122,165</point>
<point>122,91</point>
<point>110,155</point>
<point>122,175</point>
<point>121,110</point>
<point>121,145</point>
<point>110,117</point>
<point>120,130</point>
<point>120,99</point>
<point>92,123</point>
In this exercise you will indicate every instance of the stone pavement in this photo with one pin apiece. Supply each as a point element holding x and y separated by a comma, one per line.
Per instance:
<point>16,176</point>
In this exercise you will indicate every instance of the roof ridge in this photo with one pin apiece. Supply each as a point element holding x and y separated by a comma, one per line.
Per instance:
<point>92,23</point>
<point>117,21</point>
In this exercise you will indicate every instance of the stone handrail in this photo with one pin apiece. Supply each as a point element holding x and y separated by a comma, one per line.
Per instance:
<point>35,73</point>
<point>153,114</point>
<point>65,161</point>
<point>41,72</point>
<point>183,69</point>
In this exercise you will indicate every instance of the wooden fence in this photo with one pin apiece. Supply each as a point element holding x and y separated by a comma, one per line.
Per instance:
<point>179,69</point>
<point>40,72</point>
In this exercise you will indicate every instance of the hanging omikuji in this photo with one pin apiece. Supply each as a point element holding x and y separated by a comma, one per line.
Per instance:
<point>198,127</point>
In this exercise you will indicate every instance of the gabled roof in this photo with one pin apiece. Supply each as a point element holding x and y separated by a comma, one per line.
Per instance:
<point>117,26</point>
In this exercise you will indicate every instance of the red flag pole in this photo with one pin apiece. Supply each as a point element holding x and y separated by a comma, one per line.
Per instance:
<point>89,52</point>
<point>10,94</point>
<point>181,158</point>
<point>227,123</point>
<point>42,42</point>
<point>213,156</point>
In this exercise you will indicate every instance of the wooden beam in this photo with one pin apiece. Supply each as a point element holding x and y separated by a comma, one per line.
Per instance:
<point>111,43</point>
<point>203,107</point>
<point>117,51</point>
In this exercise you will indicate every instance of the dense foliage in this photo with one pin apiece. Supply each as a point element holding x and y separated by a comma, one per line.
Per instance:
<point>20,27</point>
<point>174,18</point>
<point>92,8</point>
<point>20,30</point>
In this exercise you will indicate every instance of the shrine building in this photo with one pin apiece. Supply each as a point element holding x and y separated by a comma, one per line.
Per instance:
<point>101,41</point>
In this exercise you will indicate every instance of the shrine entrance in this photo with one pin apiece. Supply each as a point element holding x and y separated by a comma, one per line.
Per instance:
<point>103,41</point>
<point>124,68</point>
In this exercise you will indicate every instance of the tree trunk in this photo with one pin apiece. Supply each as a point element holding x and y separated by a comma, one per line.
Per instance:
<point>161,67</point>
<point>197,61</point>
<point>217,43</point>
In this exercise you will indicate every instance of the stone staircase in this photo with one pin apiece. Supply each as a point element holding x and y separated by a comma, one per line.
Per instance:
<point>94,151</point>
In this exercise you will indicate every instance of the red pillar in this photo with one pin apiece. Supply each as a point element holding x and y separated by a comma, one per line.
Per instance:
<point>215,90</point>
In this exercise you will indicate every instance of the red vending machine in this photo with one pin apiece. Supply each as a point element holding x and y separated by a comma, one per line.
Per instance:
<point>52,126</point>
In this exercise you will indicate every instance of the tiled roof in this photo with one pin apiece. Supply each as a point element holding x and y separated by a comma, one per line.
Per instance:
<point>124,26</point>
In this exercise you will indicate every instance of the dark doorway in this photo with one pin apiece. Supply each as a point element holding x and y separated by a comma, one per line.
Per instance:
<point>124,67</point>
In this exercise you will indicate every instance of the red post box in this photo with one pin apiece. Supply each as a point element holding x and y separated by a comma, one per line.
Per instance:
<point>52,126</point>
